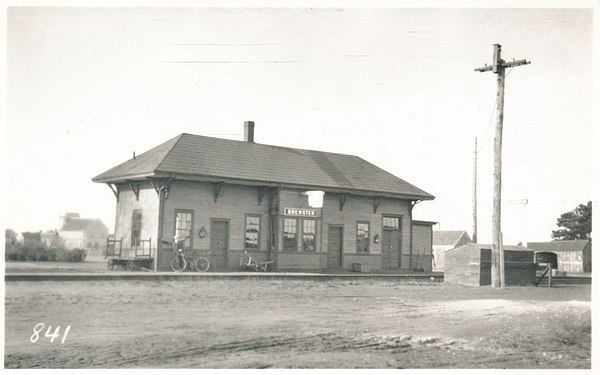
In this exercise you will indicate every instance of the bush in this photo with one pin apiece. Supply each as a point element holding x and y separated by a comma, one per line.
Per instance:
<point>42,254</point>
<point>76,255</point>
<point>62,255</point>
<point>11,251</point>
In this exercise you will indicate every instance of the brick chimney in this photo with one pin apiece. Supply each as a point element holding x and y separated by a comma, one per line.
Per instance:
<point>249,131</point>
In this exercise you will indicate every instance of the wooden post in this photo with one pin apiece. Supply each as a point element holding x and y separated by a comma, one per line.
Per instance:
<point>550,275</point>
<point>499,67</point>
<point>497,204</point>
<point>502,268</point>
<point>475,192</point>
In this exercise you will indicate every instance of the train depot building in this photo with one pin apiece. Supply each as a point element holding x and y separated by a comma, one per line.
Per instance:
<point>230,196</point>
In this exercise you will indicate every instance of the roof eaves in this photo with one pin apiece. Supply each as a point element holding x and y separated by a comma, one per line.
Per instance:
<point>123,178</point>
<point>331,189</point>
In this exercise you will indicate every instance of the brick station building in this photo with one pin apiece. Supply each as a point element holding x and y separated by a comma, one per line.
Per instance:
<point>233,196</point>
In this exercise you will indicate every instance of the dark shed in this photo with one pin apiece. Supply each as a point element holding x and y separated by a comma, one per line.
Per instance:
<point>471,265</point>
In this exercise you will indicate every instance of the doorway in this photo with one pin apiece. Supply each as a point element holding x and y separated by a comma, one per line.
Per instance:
<point>335,239</point>
<point>391,243</point>
<point>219,242</point>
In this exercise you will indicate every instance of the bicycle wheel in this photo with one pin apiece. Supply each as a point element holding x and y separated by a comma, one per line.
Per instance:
<point>202,264</point>
<point>111,264</point>
<point>178,265</point>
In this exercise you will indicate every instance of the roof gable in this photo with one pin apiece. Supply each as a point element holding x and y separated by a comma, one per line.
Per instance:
<point>195,155</point>
<point>448,237</point>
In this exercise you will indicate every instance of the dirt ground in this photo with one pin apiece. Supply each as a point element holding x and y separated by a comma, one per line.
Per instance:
<point>296,324</point>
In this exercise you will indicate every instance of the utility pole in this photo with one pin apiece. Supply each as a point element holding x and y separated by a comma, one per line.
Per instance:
<point>522,202</point>
<point>475,192</point>
<point>499,68</point>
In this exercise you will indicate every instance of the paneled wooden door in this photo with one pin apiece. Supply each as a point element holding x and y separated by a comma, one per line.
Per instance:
<point>335,239</point>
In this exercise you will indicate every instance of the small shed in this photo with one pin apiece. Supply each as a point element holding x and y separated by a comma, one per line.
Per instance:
<point>573,256</point>
<point>471,265</point>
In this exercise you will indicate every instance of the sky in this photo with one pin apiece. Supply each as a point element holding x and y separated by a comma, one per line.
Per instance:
<point>88,86</point>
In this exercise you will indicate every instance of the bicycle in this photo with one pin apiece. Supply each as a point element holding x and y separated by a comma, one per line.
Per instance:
<point>203,262</point>
<point>179,263</point>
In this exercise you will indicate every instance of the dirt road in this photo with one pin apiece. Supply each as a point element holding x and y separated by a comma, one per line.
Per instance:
<point>296,324</point>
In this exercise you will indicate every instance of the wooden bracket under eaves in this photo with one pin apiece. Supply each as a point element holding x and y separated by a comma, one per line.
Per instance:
<point>165,187</point>
<point>217,187</point>
<point>262,190</point>
<point>376,201</point>
<point>115,190</point>
<point>136,189</point>
<point>343,198</point>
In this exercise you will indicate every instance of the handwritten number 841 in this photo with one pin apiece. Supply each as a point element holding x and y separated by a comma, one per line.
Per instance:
<point>52,335</point>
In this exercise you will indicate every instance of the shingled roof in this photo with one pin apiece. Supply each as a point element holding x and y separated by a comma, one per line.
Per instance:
<point>489,247</point>
<point>189,155</point>
<point>449,237</point>
<point>571,245</point>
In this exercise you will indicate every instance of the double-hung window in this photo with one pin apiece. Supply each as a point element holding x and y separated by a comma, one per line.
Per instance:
<point>309,235</point>
<point>290,235</point>
<point>252,237</point>
<point>183,226</point>
<point>362,237</point>
<point>136,228</point>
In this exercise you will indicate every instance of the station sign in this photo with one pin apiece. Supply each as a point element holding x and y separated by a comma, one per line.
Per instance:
<point>306,212</point>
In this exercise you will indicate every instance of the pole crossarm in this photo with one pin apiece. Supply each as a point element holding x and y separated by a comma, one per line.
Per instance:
<point>486,68</point>
<point>498,64</point>
<point>513,63</point>
<point>504,65</point>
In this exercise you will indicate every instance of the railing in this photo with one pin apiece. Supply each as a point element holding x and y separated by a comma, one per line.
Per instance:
<point>144,249</point>
<point>548,270</point>
<point>113,247</point>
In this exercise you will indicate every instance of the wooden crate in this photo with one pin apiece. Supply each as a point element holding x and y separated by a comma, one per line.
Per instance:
<point>361,267</point>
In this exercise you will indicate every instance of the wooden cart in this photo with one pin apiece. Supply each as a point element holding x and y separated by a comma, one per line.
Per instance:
<point>141,260</point>
<point>248,263</point>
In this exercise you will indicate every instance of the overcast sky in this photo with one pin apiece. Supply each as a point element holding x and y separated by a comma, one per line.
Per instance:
<point>396,86</point>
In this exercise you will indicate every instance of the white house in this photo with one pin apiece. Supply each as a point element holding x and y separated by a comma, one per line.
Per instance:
<point>78,233</point>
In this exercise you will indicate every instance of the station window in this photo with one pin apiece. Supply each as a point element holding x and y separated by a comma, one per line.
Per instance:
<point>252,237</point>
<point>183,226</point>
<point>136,228</point>
<point>391,223</point>
<point>290,235</point>
<point>309,234</point>
<point>362,237</point>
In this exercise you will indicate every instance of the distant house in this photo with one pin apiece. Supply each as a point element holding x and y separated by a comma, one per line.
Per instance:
<point>32,239</point>
<point>78,233</point>
<point>444,240</point>
<point>572,256</point>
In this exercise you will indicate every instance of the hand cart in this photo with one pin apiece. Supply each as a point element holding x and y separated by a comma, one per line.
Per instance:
<point>249,263</point>
<point>141,259</point>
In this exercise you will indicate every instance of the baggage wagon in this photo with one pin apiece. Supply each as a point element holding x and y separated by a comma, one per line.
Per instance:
<point>140,257</point>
